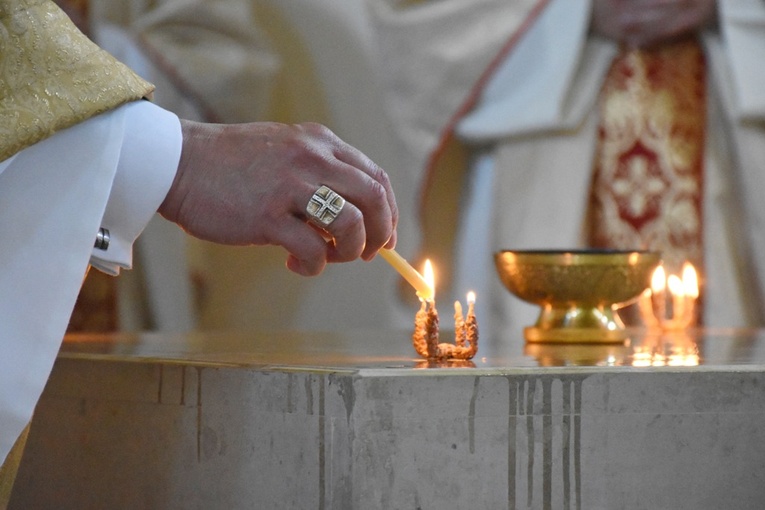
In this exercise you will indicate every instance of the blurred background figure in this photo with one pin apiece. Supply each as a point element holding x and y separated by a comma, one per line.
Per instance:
<point>238,61</point>
<point>574,123</point>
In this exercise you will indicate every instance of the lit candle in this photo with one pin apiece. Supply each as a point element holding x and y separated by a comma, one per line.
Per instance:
<point>415,279</point>
<point>471,326</point>
<point>429,278</point>
<point>471,303</point>
<point>677,293</point>
<point>425,336</point>
<point>420,335</point>
<point>645,306</point>
<point>459,325</point>
<point>431,323</point>
<point>659,293</point>
<point>691,291</point>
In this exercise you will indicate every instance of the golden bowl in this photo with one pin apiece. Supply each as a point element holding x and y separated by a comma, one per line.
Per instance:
<point>578,291</point>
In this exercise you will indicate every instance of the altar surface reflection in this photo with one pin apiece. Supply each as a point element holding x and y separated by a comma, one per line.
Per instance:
<point>358,349</point>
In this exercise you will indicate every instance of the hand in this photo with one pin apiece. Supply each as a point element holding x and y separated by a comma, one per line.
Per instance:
<point>641,23</point>
<point>245,184</point>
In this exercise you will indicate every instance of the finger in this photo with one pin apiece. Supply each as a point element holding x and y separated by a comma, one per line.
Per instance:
<point>361,182</point>
<point>352,156</point>
<point>343,223</point>
<point>392,241</point>
<point>307,249</point>
<point>369,197</point>
<point>348,235</point>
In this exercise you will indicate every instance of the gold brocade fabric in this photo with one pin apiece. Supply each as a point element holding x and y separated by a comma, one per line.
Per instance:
<point>10,467</point>
<point>647,185</point>
<point>52,76</point>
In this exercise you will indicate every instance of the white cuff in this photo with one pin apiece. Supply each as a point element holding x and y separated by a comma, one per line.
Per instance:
<point>148,162</point>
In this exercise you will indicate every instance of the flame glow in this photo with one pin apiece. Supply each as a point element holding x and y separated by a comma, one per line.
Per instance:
<point>675,285</point>
<point>690,280</point>
<point>659,280</point>
<point>430,277</point>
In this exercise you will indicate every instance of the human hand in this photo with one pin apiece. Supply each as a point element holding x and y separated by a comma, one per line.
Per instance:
<point>641,23</point>
<point>243,184</point>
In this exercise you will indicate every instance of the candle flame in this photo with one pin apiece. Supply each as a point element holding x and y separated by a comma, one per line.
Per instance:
<point>690,280</point>
<point>430,278</point>
<point>659,280</point>
<point>675,285</point>
<point>471,298</point>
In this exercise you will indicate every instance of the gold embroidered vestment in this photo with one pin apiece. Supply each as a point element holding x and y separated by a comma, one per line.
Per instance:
<point>52,76</point>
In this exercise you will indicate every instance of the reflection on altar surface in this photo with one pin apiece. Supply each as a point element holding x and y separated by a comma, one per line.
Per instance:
<point>355,419</point>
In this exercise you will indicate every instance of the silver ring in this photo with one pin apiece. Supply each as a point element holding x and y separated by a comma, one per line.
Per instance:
<point>324,206</point>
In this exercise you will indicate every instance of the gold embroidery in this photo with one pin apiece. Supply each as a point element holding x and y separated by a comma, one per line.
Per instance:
<point>52,76</point>
<point>647,187</point>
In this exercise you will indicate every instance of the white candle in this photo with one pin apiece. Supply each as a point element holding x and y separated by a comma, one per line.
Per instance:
<point>645,306</point>
<point>424,290</point>
<point>430,280</point>
<point>691,291</point>
<point>659,293</point>
<point>678,298</point>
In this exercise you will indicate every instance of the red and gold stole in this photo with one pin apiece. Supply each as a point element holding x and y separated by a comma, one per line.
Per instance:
<point>647,183</point>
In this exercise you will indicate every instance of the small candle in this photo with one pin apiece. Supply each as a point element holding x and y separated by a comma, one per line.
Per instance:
<point>431,321</point>
<point>415,279</point>
<point>459,325</point>
<point>678,299</point>
<point>425,337</point>
<point>647,312</point>
<point>471,325</point>
<point>420,335</point>
<point>691,291</point>
<point>431,330</point>
<point>471,303</point>
<point>658,293</point>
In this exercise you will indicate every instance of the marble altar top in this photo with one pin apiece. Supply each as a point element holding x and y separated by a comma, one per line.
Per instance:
<point>392,351</point>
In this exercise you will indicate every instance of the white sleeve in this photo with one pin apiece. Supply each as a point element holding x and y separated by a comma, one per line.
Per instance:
<point>52,197</point>
<point>742,24</point>
<point>147,165</point>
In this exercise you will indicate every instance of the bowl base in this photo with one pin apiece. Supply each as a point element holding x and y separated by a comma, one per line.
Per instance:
<point>534,334</point>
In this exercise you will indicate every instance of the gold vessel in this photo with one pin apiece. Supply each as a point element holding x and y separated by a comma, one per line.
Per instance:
<point>578,291</point>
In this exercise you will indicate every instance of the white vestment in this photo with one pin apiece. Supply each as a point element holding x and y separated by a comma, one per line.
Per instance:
<point>110,171</point>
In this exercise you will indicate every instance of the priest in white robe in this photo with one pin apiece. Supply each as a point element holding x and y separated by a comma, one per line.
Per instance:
<point>499,104</point>
<point>85,161</point>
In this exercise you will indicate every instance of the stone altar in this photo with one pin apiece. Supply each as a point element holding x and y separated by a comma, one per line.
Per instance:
<point>353,420</point>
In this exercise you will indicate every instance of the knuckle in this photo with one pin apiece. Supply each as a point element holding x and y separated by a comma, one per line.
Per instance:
<point>317,130</point>
<point>378,195</point>
<point>380,175</point>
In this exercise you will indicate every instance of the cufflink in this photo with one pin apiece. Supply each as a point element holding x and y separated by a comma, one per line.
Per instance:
<point>102,239</point>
